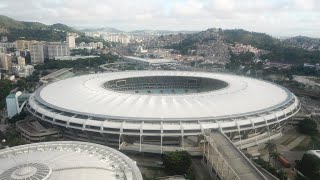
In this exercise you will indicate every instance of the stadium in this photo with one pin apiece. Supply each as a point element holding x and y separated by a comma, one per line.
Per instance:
<point>66,160</point>
<point>158,111</point>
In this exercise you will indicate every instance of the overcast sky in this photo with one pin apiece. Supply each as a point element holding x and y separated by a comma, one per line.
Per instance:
<point>276,17</point>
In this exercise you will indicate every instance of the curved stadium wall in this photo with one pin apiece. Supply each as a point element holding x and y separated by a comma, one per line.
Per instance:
<point>157,111</point>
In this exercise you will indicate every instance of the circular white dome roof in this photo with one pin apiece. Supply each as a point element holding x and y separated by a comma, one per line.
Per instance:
<point>87,95</point>
<point>66,160</point>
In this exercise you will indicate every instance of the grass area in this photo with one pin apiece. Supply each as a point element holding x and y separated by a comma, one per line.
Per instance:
<point>317,80</point>
<point>303,146</point>
<point>289,140</point>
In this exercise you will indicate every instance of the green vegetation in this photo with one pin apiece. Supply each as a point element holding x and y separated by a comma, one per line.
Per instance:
<point>278,50</point>
<point>282,175</point>
<point>5,87</point>
<point>259,40</point>
<point>309,166</point>
<point>35,34</point>
<point>33,30</point>
<point>23,84</point>
<point>9,23</point>
<point>13,138</point>
<point>308,126</point>
<point>272,149</point>
<point>78,64</point>
<point>18,117</point>
<point>177,163</point>
<point>244,59</point>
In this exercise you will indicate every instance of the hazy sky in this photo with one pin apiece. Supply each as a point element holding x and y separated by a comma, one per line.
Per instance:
<point>276,17</point>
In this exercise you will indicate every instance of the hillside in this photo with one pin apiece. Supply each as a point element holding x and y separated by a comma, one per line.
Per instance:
<point>14,30</point>
<point>103,29</point>
<point>307,43</point>
<point>9,23</point>
<point>215,44</point>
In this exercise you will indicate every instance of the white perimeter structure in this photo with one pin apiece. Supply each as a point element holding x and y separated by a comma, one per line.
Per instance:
<point>142,110</point>
<point>66,160</point>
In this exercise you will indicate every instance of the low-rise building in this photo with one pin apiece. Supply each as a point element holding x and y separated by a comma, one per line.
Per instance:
<point>15,103</point>
<point>72,58</point>
<point>23,71</point>
<point>33,131</point>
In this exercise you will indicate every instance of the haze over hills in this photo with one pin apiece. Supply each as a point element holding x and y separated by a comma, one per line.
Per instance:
<point>212,44</point>
<point>135,32</point>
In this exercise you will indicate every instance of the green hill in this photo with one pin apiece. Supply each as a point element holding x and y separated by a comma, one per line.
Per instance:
<point>9,23</point>
<point>14,30</point>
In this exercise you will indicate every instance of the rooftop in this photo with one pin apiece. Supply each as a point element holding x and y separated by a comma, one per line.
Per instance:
<point>87,95</point>
<point>66,160</point>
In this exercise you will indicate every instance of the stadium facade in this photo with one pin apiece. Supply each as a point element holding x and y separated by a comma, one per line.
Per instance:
<point>157,111</point>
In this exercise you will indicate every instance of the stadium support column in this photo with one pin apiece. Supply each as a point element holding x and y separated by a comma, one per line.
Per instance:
<point>239,130</point>
<point>140,146</point>
<point>161,143</point>
<point>121,131</point>
<point>182,135</point>
<point>267,127</point>
<point>161,134</point>
<point>119,141</point>
<point>141,132</point>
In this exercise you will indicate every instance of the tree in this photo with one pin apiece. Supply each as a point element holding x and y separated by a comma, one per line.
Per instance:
<point>177,163</point>
<point>310,166</point>
<point>272,149</point>
<point>308,126</point>
<point>18,117</point>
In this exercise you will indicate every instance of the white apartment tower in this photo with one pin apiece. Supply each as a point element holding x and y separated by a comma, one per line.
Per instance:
<point>38,52</point>
<point>21,61</point>
<point>58,49</point>
<point>71,40</point>
<point>6,61</point>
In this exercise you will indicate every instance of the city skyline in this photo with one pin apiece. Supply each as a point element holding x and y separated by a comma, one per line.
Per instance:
<point>278,18</point>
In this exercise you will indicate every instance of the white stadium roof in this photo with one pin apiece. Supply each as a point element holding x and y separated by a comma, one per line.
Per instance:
<point>66,160</point>
<point>87,95</point>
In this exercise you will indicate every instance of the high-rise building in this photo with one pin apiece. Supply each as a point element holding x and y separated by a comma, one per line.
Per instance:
<point>71,40</point>
<point>38,52</point>
<point>58,49</point>
<point>20,44</point>
<point>21,61</point>
<point>29,43</point>
<point>23,44</point>
<point>3,50</point>
<point>6,61</point>
<point>93,45</point>
<point>99,45</point>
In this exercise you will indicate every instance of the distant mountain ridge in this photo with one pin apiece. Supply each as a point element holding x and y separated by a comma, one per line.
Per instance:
<point>307,43</point>
<point>214,45</point>
<point>14,30</point>
<point>102,29</point>
<point>136,32</point>
<point>9,23</point>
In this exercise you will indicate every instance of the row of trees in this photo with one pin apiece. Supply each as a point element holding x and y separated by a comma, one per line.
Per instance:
<point>178,163</point>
